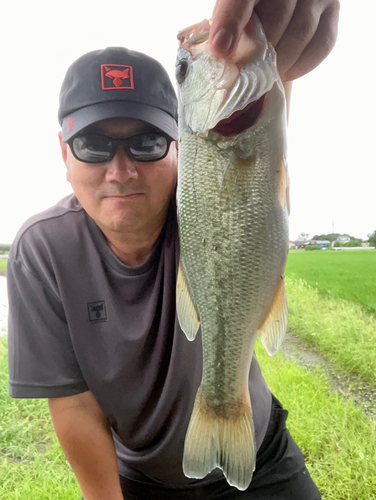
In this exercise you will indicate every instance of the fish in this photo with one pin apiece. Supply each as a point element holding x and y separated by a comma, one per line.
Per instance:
<point>233,206</point>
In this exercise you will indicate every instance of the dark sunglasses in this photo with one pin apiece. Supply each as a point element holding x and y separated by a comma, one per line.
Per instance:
<point>97,148</point>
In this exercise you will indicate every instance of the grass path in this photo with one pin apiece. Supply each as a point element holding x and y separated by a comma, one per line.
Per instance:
<point>341,330</point>
<point>338,441</point>
<point>363,393</point>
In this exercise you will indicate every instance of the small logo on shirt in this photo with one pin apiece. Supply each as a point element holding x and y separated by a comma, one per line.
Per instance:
<point>97,311</point>
<point>116,77</point>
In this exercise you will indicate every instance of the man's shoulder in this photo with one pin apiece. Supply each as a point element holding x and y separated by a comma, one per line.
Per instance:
<point>55,223</point>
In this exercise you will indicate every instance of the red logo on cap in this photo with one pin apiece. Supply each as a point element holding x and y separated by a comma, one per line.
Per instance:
<point>70,123</point>
<point>116,77</point>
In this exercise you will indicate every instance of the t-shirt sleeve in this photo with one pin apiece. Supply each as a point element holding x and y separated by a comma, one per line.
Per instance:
<point>42,362</point>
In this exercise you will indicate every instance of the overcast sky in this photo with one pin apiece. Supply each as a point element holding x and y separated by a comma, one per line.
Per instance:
<point>331,132</point>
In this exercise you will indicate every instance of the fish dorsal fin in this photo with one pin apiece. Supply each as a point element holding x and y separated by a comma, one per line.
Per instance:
<point>187,315</point>
<point>273,329</point>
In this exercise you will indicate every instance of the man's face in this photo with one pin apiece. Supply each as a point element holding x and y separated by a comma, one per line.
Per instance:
<point>123,195</point>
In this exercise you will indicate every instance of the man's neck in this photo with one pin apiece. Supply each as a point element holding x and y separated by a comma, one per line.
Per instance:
<point>133,248</point>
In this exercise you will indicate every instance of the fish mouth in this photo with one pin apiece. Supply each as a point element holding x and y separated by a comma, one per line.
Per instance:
<point>241,120</point>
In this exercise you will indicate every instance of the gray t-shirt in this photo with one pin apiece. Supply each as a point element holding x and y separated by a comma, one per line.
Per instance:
<point>79,319</point>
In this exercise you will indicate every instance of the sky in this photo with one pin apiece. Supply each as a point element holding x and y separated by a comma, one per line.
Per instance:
<point>331,135</point>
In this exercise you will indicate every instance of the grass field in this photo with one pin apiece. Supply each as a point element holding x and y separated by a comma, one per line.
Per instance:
<point>3,266</point>
<point>349,275</point>
<point>335,437</point>
<point>32,465</point>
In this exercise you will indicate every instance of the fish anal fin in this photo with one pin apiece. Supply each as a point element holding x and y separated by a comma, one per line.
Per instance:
<point>273,329</point>
<point>223,439</point>
<point>187,315</point>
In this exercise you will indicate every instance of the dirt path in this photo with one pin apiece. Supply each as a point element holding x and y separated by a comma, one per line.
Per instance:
<point>364,395</point>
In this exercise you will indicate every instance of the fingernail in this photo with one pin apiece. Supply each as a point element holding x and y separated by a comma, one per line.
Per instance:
<point>223,42</point>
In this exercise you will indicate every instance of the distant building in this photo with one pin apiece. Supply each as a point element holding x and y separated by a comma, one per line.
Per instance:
<point>323,244</point>
<point>303,243</point>
<point>343,239</point>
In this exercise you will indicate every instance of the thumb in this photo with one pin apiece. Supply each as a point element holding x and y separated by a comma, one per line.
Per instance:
<point>229,20</point>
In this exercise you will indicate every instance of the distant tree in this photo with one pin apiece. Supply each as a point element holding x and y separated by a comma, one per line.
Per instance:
<point>354,242</point>
<point>4,248</point>
<point>309,248</point>
<point>329,237</point>
<point>303,236</point>
<point>334,236</point>
<point>372,239</point>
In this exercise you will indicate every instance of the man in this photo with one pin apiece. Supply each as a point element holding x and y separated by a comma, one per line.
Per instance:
<point>92,322</point>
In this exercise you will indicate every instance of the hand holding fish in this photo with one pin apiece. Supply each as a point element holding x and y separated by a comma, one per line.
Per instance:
<point>302,32</point>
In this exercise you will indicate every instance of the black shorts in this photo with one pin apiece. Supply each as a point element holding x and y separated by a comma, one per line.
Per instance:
<point>280,473</point>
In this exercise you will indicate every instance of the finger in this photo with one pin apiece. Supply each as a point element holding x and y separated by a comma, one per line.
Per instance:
<point>320,46</point>
<point>275,17</point>
<point>298,34</point>
<point>229,20</point>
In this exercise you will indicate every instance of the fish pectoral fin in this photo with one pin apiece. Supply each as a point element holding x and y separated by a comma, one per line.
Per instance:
<point>273,329</point>
<point>215,439</point>
<point>187,315</point>
<point>284,185</point>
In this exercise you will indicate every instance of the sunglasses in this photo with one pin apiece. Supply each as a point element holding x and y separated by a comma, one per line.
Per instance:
<point>97,148</point>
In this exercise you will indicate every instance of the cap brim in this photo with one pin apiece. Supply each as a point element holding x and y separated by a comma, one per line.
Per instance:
<point>82,118</point>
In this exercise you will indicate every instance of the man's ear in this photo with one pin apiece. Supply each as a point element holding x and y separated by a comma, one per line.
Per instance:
<point>64,153</point>
<point>63,147</point>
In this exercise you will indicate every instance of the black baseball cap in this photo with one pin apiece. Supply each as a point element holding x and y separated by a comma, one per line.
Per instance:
<point>117,83</point>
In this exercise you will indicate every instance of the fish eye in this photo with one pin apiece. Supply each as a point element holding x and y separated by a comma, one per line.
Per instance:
<point>181,70</point>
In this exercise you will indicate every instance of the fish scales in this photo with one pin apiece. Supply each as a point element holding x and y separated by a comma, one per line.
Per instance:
<point>228,276</point>
<point>232,214</point>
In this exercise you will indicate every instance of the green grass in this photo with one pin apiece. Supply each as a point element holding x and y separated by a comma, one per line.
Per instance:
<point>3,266</point>
<point>32,465</point>
<point>342,330</point>
<point>349,275</point>
<point>337,440</point>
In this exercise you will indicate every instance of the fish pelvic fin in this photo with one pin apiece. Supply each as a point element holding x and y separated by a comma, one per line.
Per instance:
<point>221,437</point>
<point>187,315</point>
<point>273,329</point>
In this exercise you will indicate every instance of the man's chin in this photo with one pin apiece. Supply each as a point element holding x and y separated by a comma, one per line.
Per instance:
<point>126,222</point>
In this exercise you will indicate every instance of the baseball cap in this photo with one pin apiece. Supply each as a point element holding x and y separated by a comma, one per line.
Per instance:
<point>117,83</point>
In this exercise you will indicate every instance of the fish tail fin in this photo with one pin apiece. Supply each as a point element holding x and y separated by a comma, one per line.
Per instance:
<point>224,439</point>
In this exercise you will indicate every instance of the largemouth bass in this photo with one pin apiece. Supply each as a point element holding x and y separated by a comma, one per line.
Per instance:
<point>233,223</point>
